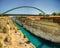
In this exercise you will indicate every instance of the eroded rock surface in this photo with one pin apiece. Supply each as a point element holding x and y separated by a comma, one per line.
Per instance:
<point>11,36</point>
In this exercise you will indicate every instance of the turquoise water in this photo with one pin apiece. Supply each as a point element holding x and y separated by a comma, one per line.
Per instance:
<point>38,42</point>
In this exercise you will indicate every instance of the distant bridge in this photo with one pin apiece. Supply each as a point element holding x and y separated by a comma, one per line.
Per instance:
<point>51,17</point>
<point>24,7</point>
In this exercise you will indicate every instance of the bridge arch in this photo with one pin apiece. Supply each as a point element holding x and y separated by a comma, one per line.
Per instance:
<point>24,7</point>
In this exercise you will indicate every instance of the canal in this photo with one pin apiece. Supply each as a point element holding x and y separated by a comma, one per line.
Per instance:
<point>37,41</point>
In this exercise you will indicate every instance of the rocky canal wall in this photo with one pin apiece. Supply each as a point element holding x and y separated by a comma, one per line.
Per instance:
<point>40,32</point>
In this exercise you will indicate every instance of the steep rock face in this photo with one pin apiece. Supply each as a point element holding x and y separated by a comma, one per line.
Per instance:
<point>11,36</point>
<point>44,29</point>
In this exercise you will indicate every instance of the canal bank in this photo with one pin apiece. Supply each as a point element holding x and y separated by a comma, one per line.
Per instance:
<point>11,36</point>
<point>38,42</point>
<point>46,32</point>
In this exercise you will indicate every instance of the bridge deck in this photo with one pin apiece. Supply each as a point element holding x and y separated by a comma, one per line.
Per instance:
<point>19,15</point>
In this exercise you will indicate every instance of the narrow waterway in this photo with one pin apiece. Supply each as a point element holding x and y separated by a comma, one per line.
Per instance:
<point>38,42</point>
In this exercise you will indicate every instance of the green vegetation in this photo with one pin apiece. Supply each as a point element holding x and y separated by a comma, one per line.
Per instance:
<point>40,14</point>
<point>54,13</point>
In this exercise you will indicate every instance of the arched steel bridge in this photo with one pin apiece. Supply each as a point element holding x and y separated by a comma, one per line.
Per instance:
<point>23,7</point>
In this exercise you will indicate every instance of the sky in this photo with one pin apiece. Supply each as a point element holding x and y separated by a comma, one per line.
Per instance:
<point>48,6</point>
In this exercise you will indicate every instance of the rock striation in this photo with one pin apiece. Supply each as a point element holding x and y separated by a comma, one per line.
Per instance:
<point>44,29</point>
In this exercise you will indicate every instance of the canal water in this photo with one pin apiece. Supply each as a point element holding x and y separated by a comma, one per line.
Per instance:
<point>37,41</point>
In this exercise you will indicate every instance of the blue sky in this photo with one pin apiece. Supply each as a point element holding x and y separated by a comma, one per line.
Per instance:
<point>48,6</point>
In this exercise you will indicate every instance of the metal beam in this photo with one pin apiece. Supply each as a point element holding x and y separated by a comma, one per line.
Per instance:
<point>19,15</point>
<point>23,7</point>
